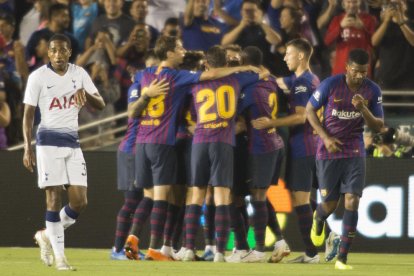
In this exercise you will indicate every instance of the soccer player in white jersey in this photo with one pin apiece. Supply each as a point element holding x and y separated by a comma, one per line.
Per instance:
<point>60,89</point>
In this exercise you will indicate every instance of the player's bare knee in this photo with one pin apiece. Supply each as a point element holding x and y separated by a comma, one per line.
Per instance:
<point>53,198</point>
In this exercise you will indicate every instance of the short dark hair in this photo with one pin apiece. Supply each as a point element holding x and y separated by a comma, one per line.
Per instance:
<point>256,2</point>
<point>171,21</point>
<point>233,47</point>
<point>60,37</point>
<point>192,60</point>
<point>216,56</point>
<point>9,18</point>
<point>165,44</point>
<point>55,8</point>
<point>252,55</point>
<point>302,45</point>
<point>358,56</point>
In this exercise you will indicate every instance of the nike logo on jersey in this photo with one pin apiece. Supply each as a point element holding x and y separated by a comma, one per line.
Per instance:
<point>48,87</point>
<point>337,100</point>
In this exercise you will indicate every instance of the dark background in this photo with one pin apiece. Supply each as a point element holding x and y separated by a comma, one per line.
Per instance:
<point>22,205</point>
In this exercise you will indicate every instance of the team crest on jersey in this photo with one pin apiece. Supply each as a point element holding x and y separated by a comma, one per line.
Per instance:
<point>317,95</point>
<point>324,192</point>
<point>300,89</point>
<point>134,93</point>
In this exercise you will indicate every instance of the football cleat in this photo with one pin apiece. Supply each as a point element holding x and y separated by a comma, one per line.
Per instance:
<point>236,256</point>
<point>179,256</point>
<point>189,256</point>
<point>332,246</point>
<point>342,266</point>
<point>131,247</point>
<point>219,257</point>
<point>280,251</point>
<point>317,231</point>
<point>254,256</point>
<point>208,256</point>
<point>118,256</point>
<point>62,264</point>
<point>154,255</point>
<point>46,252</point>
<point>304,259</point>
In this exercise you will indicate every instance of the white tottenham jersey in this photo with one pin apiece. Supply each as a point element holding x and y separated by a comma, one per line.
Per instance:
<point>54,94</point>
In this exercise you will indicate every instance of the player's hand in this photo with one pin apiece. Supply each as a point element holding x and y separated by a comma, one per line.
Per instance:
<point>332,144</point>
<point>80,98</point>
<point>191,129</point>
<point>29,159</point>
<point>261,123</point>
<point>157,88</point>
<point>358,102</point>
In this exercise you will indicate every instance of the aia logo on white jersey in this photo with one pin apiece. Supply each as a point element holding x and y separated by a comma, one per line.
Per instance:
<point>62,103</point>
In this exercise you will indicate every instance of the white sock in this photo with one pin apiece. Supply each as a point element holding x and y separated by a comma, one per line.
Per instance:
<point>166,250</point>
<point>56,235</point>
<point>212,248</point>
<point>65,219</point>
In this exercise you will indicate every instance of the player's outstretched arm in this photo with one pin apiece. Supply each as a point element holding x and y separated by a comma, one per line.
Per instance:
<point>95,100</point>
<point>332,144</point>
<point>28,155</point>
<point>156,88</point>
<point>221,72</point>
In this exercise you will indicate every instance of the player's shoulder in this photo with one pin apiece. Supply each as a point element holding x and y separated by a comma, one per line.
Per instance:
<point>73,68</point>
<point>40,72</point>
<point>332,81</point>
<point>373,85</point>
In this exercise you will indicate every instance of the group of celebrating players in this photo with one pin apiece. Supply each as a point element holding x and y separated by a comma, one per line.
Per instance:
<point>204,139</point>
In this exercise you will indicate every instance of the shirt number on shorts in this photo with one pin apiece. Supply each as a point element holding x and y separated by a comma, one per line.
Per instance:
<point>225,100</point>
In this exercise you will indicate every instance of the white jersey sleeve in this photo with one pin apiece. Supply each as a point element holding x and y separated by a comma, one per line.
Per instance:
<point>87,83</point>
<point>33,90</point>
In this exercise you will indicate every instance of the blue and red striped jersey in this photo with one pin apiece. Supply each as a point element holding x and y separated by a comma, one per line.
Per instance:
<point>215,102</point>
<point>260,100</point>
<point>159,119</point>
<point>302,138</point>
<point>128,142</point>
<point>340,118</point>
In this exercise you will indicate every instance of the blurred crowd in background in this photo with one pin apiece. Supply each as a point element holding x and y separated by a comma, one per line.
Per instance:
<point>110,39</point>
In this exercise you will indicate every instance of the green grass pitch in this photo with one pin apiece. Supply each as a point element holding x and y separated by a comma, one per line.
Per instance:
<point>94,262</point>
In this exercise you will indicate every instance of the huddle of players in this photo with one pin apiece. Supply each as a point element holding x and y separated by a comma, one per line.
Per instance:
<point>193,117</point>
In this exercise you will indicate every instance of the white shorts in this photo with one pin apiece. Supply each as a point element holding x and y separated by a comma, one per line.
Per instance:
<point>60,166</point>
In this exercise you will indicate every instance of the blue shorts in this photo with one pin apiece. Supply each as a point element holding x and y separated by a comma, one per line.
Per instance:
<point>241,154</point>
<point>212,163</point>
<point>155,165</point>
<point>126,171</point>
<point>301,174</point>
<point>340,176</point>
<point>183,148</point>
<point>264,169</point>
